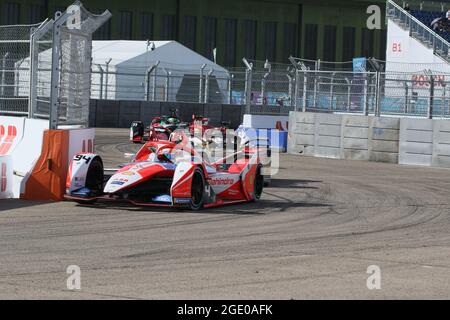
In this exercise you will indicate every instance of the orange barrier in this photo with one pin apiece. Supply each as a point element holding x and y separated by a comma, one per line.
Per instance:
<point>47,180</point>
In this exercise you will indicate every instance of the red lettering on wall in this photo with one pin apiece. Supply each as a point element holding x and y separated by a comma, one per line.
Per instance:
<point>3,178</point>
<point>7,143</point>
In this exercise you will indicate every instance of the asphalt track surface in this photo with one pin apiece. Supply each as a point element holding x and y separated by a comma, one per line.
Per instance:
<point>313,235</point>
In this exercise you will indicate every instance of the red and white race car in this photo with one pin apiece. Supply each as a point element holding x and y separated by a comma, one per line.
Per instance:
<point>169,174</point>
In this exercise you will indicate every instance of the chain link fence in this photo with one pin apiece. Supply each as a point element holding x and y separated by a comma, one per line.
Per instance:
<point>161,82</point>
<point>45,69</point>
<point>14,49</point>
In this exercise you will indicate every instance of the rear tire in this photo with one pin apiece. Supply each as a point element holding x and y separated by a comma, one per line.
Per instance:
<point>258,183</point>
<point>197,190</point>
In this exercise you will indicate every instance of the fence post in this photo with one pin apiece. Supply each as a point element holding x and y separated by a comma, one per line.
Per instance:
<point>55,70</point>
<point>148,75</point>
<point>166,96</point>
<point>107,78</point>
<point>296,89</point>
<point>315,90</point>
<point>263,82</point>
<point>200,89</point>
<point>377,95</point>
<point>290,89</point>
<point>349,93</point>
<point>230,90</point>
<point>5,56</point>
<point>366,101</point>
<point>32,86</point>
<point>305,88</point>
<point>101,81</point>
<point>431,100</point>
<point>248,85</point>
<point>406,97</point>
<point>155,79</point>
<point>330,107</point>
<point>210,72</point>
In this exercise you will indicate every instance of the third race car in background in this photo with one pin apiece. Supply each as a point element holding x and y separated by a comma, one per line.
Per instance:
<point>160,128</point>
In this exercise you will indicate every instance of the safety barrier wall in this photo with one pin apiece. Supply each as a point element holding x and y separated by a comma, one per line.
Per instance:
<point>6,174</point>
<point>425,142</point>
<point>344,136</point>
<point>26,153</point>
<point>266,121</point>
<point>34,160</point>
<point>120,114</point>
<point>20,147</point>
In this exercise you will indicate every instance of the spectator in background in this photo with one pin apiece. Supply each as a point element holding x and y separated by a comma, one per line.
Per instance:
<point>406,7</point>
<point>447,15</point>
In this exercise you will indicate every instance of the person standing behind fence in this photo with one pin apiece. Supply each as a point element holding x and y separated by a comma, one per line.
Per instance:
<point>406,7</point>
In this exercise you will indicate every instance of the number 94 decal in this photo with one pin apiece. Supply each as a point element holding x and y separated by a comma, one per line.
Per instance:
<point>80,157</point>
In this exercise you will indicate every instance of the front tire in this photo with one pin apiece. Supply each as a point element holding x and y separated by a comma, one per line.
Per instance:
<point>197,190</point>
<point>94,180</point>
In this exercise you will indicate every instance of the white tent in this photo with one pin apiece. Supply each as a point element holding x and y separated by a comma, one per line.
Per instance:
<point>119,71</point>
<point>123,65</point>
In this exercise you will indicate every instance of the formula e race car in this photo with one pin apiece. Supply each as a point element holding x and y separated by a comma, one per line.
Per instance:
<point>169,174</point>
<point>163,126</point>
<point>159,129</point>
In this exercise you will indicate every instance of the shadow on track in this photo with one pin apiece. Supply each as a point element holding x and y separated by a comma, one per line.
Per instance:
<point>293,184</point>
<point>10,204</point>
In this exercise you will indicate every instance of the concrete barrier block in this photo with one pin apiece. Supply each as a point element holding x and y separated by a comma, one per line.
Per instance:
<point>356,154</point>
<point>444,137</point>
<point>333,130</point>
<point>417,124</point>
<point>421,136</point>
<point>304,139</point>
<point>356,132</point>
<point>331,119</point>
<point>356,143</point>
<point>327,152</point>
<point>385,134</point>
<point>384,157</point>
<point>328,141</point>
<point>355,121</point>
<point>442,150</point>
<point>416,141</point>
<point>385,146</point>
<point>441,143</point>
<point>304,128</point>
<point>303,117</point>
<point>388,123</point>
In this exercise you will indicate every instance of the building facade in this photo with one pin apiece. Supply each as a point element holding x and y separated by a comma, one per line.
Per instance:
<point>229,30</point>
